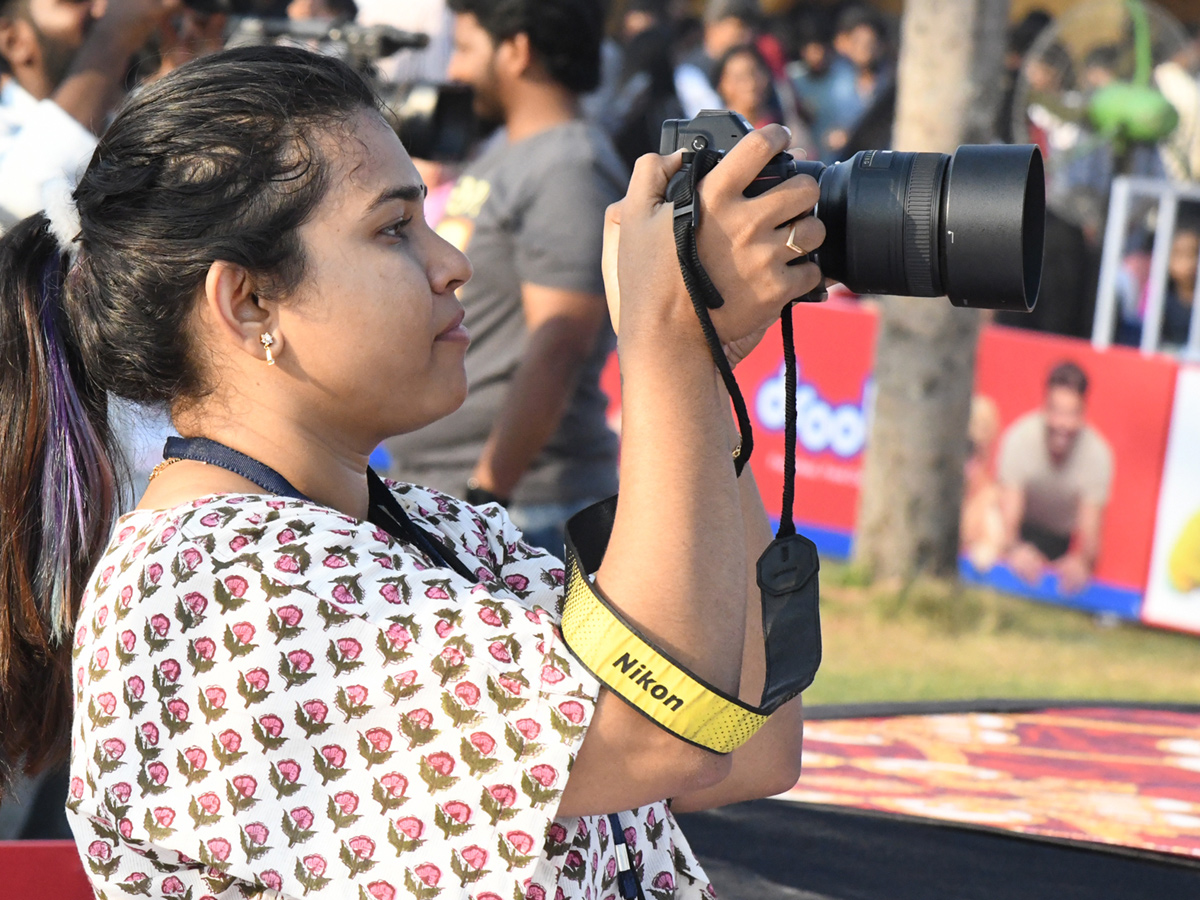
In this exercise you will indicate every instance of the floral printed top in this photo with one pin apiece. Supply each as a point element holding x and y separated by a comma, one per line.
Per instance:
<point>275,700</point>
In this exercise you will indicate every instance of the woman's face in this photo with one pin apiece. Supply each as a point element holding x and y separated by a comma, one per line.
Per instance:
<point>743,85</point>
<point>374,333</point>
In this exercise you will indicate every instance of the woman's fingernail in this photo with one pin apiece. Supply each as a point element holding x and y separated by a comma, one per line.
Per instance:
<point>788,130</point>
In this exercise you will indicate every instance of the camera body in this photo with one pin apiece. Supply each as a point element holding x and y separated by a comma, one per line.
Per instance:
<point>970,226</point>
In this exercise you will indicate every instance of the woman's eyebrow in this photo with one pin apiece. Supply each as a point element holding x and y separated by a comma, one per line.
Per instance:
<point>407,192</point>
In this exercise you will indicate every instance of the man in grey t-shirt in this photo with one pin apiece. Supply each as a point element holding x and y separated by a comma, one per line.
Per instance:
<point>530,216</point>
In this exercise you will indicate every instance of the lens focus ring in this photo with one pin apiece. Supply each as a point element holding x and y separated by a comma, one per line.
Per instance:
<point>921,202</point>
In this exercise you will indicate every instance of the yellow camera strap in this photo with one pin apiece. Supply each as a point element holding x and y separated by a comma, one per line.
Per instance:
<point>648,679</point>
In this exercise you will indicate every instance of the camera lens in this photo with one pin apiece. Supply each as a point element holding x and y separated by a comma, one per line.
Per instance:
<point>970,226</point>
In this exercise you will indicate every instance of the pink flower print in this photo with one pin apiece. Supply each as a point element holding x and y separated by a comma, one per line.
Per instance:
<point>381,890</point>
<point>316,710</point>
<point>170,670</point>
<point>520,841</point>
<point>258,679</point>
<point>443,626</point>
<point>394,783</point>
<point>106,702</point>
<point>150,733</point>
<point>219,848</point>
<point>453,656</point>
<point>107,574</point>
<point>161,624</point>
<point>211,520</point>
<point>552,674</point>
<point>349,648</point>
<point>442,763</point>
<point>272,725</point>
<point>77,787</point>
<point>136,686</point>
<point>347,801</point>
<point>407,679</point>
<point>230,740</point>
<point>517,582</point>
<point>474,856</point>
<point>529,729</point>
<point>510,684</point>
<point>157,772</point>
<point>238,543</point>
<point>164,816</point>
<point>437,593</point>
<point>99,850</point>
<point>81,635</point>
<point>114,748</point>
<point>258,833</point>
<point>289,769</point>
<point>101,658</point>
<point>334,755</point>
<point>398,635</point>
<point>467,692</point>
<point>244,632</point>
<point>154,572</point>
<point>125,533</point>
<point>215,696</point>
<point>206,648</point>
<point>236,585</point>
<point>391,594</point>
<point>534,616</point>
<point>128,640</point>
<point>209,802</point>
<point>197,603</point>
<point>289,615</point>
<point>287,563</point>
<point>191,558</point>
<point>126,596</point>
<point>301,660</point>
<point>544,775</point>
<point>245,785</point>
<point>573,710</point>
<point>429,874</point>
<point>334,561</point>
<point>379,738</point>
<point>504,794</point>
<point>663,881</point>
<point>490,617</point>
<point>356,694</point>
<point>315,864</point>
<point>483,742</point>
<point>271,879</point>
<point>342,595</point>
<point>610,868</point>
<point>363,846</point>
<point>136,878</point>
<point>422,718</point>
<point>411,828</point>
<point>168,533</point>
<point>286,536</point>
<point>196,757</point>
<point>631,837</point>
<point>499,652</point>
<point>125,826</point>
<point>459,812</point>
<point>535,892</point>
<point>574,860</point>
<point>178,709</point>
<point>558,575</point>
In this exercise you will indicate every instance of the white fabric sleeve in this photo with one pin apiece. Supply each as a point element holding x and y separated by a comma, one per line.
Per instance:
<point>50,145</point>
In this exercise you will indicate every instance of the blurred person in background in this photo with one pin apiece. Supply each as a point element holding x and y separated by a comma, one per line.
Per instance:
<point>727,24</point>
<point>858,39</point>
<point>62,70</point>
<point>744,83</point>
<point>1180,290</point>
<point>529,214</point>
<point>324,10</point>
<point>981,526</point>
<point>645,96</point>
<point>1055,473</point>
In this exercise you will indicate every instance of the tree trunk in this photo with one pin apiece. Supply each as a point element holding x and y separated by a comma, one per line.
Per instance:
<point>949,88</point>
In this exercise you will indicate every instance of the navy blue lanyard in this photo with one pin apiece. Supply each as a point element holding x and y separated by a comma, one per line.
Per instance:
<point>627,880</point>
<point>384,511</point>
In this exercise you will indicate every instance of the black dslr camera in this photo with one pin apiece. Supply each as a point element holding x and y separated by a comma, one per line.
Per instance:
<point>970,226</point>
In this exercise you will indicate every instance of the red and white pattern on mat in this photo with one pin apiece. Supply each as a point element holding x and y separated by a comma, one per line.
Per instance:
<point>1127,777</point>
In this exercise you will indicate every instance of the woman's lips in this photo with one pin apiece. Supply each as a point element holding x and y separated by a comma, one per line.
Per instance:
<point>455,331</point>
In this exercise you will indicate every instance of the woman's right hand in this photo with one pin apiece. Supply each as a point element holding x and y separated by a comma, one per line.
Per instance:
<point>742,243</point>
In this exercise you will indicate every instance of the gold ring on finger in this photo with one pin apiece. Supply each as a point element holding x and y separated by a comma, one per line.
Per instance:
<point>791,241</point>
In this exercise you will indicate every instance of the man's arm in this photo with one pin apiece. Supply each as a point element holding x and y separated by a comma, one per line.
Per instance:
<point>563,327</point>
<point>1077,566</point>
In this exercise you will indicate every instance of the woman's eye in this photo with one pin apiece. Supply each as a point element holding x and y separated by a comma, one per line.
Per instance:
<point>396,229</point>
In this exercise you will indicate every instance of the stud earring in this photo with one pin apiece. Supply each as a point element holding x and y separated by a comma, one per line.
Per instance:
<point>268,340</point>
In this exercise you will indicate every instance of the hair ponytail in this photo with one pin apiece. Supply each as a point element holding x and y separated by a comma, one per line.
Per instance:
<point>57,494</point>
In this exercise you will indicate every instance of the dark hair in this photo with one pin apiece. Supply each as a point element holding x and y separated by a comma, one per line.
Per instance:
<point>740,50</point>
<point>1068,375</point>
<point>220,160</point>
<point>855,16</point>
<point>565,35</point>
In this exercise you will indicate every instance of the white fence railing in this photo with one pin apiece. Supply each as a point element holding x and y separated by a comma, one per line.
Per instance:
<point>1125,190</point>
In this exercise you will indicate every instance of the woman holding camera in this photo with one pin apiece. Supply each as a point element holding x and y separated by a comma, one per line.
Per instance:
<point>286,675</point>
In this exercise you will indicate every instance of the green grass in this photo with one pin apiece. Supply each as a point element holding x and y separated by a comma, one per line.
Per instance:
<point>936,640</point>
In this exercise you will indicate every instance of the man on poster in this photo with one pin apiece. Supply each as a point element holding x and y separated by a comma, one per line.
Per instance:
<point>1055,473</point>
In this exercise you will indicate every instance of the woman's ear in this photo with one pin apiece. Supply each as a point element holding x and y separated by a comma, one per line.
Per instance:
<point>238,312</point>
